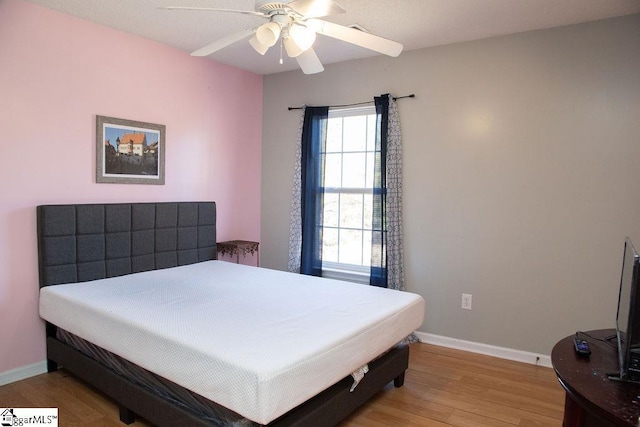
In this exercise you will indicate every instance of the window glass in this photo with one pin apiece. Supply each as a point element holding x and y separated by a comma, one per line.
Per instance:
<point>334,136</point>
<point>330,244</point>
<point>355,134</point>
<point>367,215</point>
<point>331,214</point>
<point>368,182</point>
<point>350,247</point>
<point>348,182</point>
<point>333,170</point>
<point>351,211</point>
<point>371,132</point>
<point>354,170</point>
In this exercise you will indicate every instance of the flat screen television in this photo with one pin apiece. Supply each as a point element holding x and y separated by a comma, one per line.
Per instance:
<point>628,317</point>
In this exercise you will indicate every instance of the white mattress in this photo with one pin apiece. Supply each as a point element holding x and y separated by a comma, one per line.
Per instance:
<point>256,341</point>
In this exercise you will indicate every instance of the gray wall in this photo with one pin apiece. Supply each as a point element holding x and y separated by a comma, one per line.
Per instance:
<point>521,174</point>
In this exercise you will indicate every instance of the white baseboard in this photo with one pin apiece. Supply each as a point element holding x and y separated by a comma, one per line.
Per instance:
<point>23,372</point>
<point>486,349</point>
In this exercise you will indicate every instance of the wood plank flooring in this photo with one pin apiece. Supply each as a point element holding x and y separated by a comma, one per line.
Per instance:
<point>443,387</point>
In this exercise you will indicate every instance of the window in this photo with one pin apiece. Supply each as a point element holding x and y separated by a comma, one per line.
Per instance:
<point>348,187</point>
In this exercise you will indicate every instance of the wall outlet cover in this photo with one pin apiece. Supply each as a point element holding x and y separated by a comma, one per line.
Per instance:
<point>466,301</point>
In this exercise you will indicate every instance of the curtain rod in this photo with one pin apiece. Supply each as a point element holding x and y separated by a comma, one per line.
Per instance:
<point>395,98</point>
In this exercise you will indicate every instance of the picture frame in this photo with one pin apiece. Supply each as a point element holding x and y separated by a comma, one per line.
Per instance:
<point>129,152</point>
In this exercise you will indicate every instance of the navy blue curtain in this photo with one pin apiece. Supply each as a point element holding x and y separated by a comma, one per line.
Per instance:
<point>378,275</point>
<point>314,141</point>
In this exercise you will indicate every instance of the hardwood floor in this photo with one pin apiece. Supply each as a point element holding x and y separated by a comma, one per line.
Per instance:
<point>443,387</point>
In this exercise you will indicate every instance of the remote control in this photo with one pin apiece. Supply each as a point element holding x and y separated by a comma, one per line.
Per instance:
<point>581,346</point>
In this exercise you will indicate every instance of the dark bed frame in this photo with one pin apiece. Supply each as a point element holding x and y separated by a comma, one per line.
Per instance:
<point>83,242</point>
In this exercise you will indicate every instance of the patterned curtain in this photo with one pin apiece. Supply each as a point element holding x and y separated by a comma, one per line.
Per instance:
<point>387,255</point>
<point>305,237</point>
<point>295,226</point>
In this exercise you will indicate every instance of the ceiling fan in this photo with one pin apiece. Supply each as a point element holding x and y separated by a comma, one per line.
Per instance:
<point>295,24</point>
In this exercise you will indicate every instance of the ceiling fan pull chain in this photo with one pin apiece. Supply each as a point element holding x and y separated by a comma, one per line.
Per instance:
<point>281,61</point>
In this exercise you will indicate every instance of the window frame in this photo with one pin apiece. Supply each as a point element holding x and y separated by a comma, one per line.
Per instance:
<point>337,270</point>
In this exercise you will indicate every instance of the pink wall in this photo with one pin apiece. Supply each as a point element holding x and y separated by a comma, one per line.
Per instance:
<point>56,74</point>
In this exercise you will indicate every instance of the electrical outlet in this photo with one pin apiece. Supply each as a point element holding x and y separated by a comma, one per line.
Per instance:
<point>466,301</point>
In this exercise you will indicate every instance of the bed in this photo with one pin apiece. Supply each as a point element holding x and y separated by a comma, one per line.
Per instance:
<point>137,305</point>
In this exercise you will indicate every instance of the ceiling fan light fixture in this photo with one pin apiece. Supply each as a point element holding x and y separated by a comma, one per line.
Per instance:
<point>303,37</point>
<point>267,34</point>
<point>259,47</point>
<point>291,47</point>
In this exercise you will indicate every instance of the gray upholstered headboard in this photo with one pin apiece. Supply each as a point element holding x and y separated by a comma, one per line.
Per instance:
<point>77,243</point>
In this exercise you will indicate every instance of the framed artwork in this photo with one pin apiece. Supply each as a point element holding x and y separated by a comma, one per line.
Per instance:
<point>129,152</point>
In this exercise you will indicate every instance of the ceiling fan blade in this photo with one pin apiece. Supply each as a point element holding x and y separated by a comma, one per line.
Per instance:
<point>316,8</point>
<point>357,37</point>
<point>213,9</point>
<point>222,43</point>
<point>309,62</point>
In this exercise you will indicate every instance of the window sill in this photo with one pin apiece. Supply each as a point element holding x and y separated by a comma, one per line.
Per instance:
<point>349,276</point>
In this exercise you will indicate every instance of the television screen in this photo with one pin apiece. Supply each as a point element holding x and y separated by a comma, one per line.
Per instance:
<point>628,317</point>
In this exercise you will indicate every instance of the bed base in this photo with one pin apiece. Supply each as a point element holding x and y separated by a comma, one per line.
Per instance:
<point>325,409</point>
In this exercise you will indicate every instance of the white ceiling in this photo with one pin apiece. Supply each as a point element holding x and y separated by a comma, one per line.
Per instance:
<point>414,23</point>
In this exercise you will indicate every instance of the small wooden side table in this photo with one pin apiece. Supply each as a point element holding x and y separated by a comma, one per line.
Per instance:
<point>592,398</point>
<point>237,247</point>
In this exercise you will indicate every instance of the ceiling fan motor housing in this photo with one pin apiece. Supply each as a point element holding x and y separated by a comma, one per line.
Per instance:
<point>270,6</point>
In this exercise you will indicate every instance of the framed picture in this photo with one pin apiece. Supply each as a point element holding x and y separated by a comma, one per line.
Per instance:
<point>129,152</point>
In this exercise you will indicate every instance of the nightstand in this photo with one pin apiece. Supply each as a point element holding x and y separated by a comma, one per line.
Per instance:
<point>237,247</point>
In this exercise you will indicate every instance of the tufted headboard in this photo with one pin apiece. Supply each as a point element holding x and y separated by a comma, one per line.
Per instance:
<point>77,243</point>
